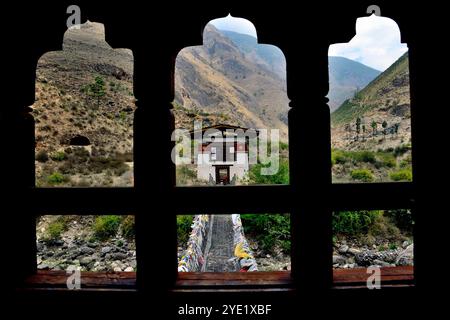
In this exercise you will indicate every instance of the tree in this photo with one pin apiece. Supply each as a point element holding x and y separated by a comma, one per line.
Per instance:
<point>358,127</point>
<point>364,131</point>
<point>384,125</point>
<point>97,89</point>
<point>374,126</point>
<point>348,129</point>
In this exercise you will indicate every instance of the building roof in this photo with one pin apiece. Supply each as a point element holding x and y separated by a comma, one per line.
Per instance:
<point>220,127</point>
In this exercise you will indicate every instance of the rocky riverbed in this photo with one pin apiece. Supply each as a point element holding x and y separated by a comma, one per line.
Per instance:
<point>352,254</point>
<point>77,247</point>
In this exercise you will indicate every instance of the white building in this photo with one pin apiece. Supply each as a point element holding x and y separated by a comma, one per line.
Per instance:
<point>222,158</point>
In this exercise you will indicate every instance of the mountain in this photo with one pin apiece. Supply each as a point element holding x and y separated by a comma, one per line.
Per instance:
<point>269,56</point>
<point>371,132</point>
<point>229,81</point>
<point>67,107</point>
<point>387,96</point>
<point>346,77</point>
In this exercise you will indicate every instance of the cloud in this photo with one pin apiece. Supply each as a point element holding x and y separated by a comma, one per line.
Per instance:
<point>239,25</point>
<point>376,43</point>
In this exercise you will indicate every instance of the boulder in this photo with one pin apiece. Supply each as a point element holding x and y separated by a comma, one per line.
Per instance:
<point>118,256</point>
<point>86,250</point>
<point>353,251</point>
<point>105,250</point>
<point>40,246</point>
<point>406,257</point>
<point>381,263</point>
<point>86,261</point>
<point>43,266</point>
<point>343,248</point>
<point>367,258</point>
<point>337,259</point>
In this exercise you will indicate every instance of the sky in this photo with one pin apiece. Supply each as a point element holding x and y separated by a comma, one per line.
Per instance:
<point>376,43</point>
<point>239,25</point>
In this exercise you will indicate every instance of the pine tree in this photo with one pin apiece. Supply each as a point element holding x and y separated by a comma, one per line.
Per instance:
<point>374,126</point>
<point>384,125</point>
<point>358,127</point>
<point>97,89</point>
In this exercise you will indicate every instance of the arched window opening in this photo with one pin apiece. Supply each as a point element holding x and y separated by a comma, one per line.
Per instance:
<point>84,113</point>
<point>231,102</point>
<point>370,105</point>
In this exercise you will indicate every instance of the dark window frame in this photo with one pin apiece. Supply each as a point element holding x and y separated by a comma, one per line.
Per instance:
<point>298,198</point>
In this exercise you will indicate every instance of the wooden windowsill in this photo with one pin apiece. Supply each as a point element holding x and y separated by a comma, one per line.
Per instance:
<point>357,278</point>
<point>233,281</point>
<point>211,281</point>
<point>56,280</point>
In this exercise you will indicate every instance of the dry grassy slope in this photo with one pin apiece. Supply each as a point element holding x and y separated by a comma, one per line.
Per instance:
<point>62,109</point>
<point>386,98</point>
<point>218,83</point>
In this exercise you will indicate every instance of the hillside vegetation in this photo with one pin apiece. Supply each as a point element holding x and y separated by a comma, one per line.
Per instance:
<point>84,93</point>
<point>371,132</point>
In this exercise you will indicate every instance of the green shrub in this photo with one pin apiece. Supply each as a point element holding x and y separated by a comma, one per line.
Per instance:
<point>402,149</point>
<point>354,222</point>
<point>100,164</point>
<point>386,159</point>
<point>128,227</point>
<point>55,229</point>
<point>338,157</point>
<point>122,115</point>
<point>119,243</point>
<point>392,246</point>
<point>405,163</point>
<point>401,175</point>
<point>383,227</point>
<point>58,156</point>
<point>270,230</point>
<point>184,223</point>
<point>284,146</point>
<point>363,175</point>
<point>363,156</point>
<point>185,171</point>
<point>341,156</point>
<point>402,218</point>
<point>281,177</point>
<point>106,226</point>
<point>42,156</point>
<point>56,178</point>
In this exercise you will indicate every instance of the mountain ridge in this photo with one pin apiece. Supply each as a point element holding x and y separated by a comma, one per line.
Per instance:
<point>219,83</point>
<point>346,77</point>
